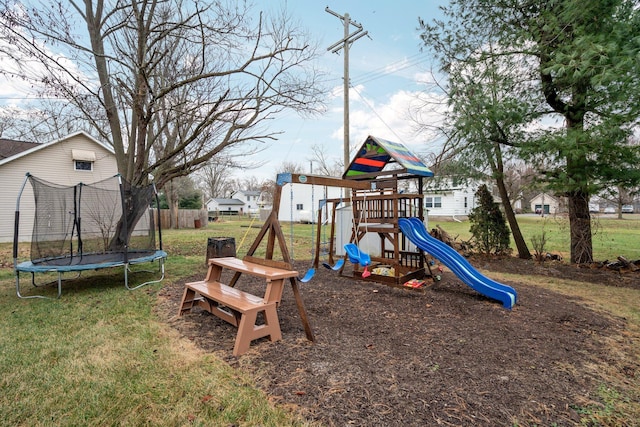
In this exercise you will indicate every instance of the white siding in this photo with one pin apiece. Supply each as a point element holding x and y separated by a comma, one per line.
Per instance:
<point>457,199</point>
<point>453,203</point>
<point>250,200</point>
<point>212,205</point>
<point>53,163</point>
<point>305,196</point>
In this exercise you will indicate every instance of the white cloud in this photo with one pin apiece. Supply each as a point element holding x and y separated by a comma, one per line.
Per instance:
<point>393,119</point>
<point>424,78</point>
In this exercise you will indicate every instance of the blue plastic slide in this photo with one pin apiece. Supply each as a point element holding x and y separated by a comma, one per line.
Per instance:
<point>416,232</point>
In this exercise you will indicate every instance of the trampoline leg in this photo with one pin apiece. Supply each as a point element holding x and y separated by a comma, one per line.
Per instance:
<point>18,285</point>
<point>126,279</point>
<point>59,284</point>
<point>33,281</point>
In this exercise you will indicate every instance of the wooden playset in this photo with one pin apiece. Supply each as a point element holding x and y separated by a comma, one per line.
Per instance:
<point>386,166</point>
<point>376,204</point>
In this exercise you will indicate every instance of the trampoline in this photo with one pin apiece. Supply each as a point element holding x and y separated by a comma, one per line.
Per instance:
<point>89,227</point>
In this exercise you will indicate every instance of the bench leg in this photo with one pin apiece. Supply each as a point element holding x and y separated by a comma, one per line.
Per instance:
<point>272,323</point>
<point>188,300</point>
<point>249,331</point>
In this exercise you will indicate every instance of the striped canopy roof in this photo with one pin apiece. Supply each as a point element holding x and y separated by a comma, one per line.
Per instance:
<point>376,153</point>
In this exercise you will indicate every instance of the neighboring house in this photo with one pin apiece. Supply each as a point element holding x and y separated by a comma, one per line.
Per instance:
<point>299,202</point>
<point>304,199</point>
<point>546,204</point>
<point>217,207</point>
<point>241,202</point>
<point>75,158</point>
<point>449,197</point>
<point>251,200</point>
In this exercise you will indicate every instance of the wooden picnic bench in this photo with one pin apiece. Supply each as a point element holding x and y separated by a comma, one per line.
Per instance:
<point>237,307</point>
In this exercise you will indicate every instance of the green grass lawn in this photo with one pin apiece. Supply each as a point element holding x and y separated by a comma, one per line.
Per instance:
<point>612,237</point>
<point>100,355</point>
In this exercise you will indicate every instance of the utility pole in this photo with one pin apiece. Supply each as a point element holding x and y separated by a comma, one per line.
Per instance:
<point>344,44</point>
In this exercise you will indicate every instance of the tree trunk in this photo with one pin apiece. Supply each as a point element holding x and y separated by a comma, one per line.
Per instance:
<point>578,195</point>
<point>173,215</point>
<point>171,195</point>
<point>136,203</point>
<point>580,225</point>
<point>494,155</point>
<point>521,245</point>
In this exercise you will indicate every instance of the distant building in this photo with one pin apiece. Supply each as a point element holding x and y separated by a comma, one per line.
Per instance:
<point>450,197</point>
<point>219,207</point>
<point>546,204</point>
<point>300,202</point>
<point>251,200</point>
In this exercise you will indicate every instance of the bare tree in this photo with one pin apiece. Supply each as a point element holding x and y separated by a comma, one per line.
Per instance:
<point>177,82</point>
<point>519,178</point>
<point>215,177</point>
<point>323,164</point>
<point>249,183</point>
<point>290,167</point>
<point>618,196</point>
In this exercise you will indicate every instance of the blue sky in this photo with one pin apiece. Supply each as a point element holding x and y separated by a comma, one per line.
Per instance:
<point>386,70</point>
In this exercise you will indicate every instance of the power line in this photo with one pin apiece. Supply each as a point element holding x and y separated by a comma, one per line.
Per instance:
<point>383,69</point>
<point>377,115</point>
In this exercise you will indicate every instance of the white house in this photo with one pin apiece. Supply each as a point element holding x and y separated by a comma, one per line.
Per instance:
<point>220,206</point>
<point>75,158</point>
<point>449,197</point>
<point>251,200</point>
<point>300,202</point>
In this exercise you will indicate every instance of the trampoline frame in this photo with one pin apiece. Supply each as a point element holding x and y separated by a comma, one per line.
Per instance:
<point>30,267</point>
<point>126,260</point>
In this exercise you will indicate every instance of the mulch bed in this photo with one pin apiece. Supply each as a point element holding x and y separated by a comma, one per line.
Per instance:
<point>443,356</point>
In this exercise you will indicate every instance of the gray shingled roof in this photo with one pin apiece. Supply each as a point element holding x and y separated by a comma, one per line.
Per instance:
<point>229,202</point>
<point>10,147</point>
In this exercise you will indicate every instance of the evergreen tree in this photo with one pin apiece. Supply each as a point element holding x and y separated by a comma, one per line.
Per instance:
<point>516,66</point>
<point>488,224</point>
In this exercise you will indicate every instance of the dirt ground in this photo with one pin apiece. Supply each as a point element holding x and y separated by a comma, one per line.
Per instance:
<point>444,356</point>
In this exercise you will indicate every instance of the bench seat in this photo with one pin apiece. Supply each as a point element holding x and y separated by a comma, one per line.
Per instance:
<point>236,307</point>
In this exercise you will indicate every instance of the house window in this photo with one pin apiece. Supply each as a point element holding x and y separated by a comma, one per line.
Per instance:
<point>299,207</point>
<point>83,160</point>
<point>433,202</point>
<point>465,202</point>
<point>83,165</point>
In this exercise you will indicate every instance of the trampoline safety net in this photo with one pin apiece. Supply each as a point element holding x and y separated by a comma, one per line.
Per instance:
<point>106,221</point>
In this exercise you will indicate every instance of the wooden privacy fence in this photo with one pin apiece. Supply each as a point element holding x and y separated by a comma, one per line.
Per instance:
<point>187,218</point>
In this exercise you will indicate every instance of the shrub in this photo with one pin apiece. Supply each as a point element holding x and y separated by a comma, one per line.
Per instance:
<point>489,230</point>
